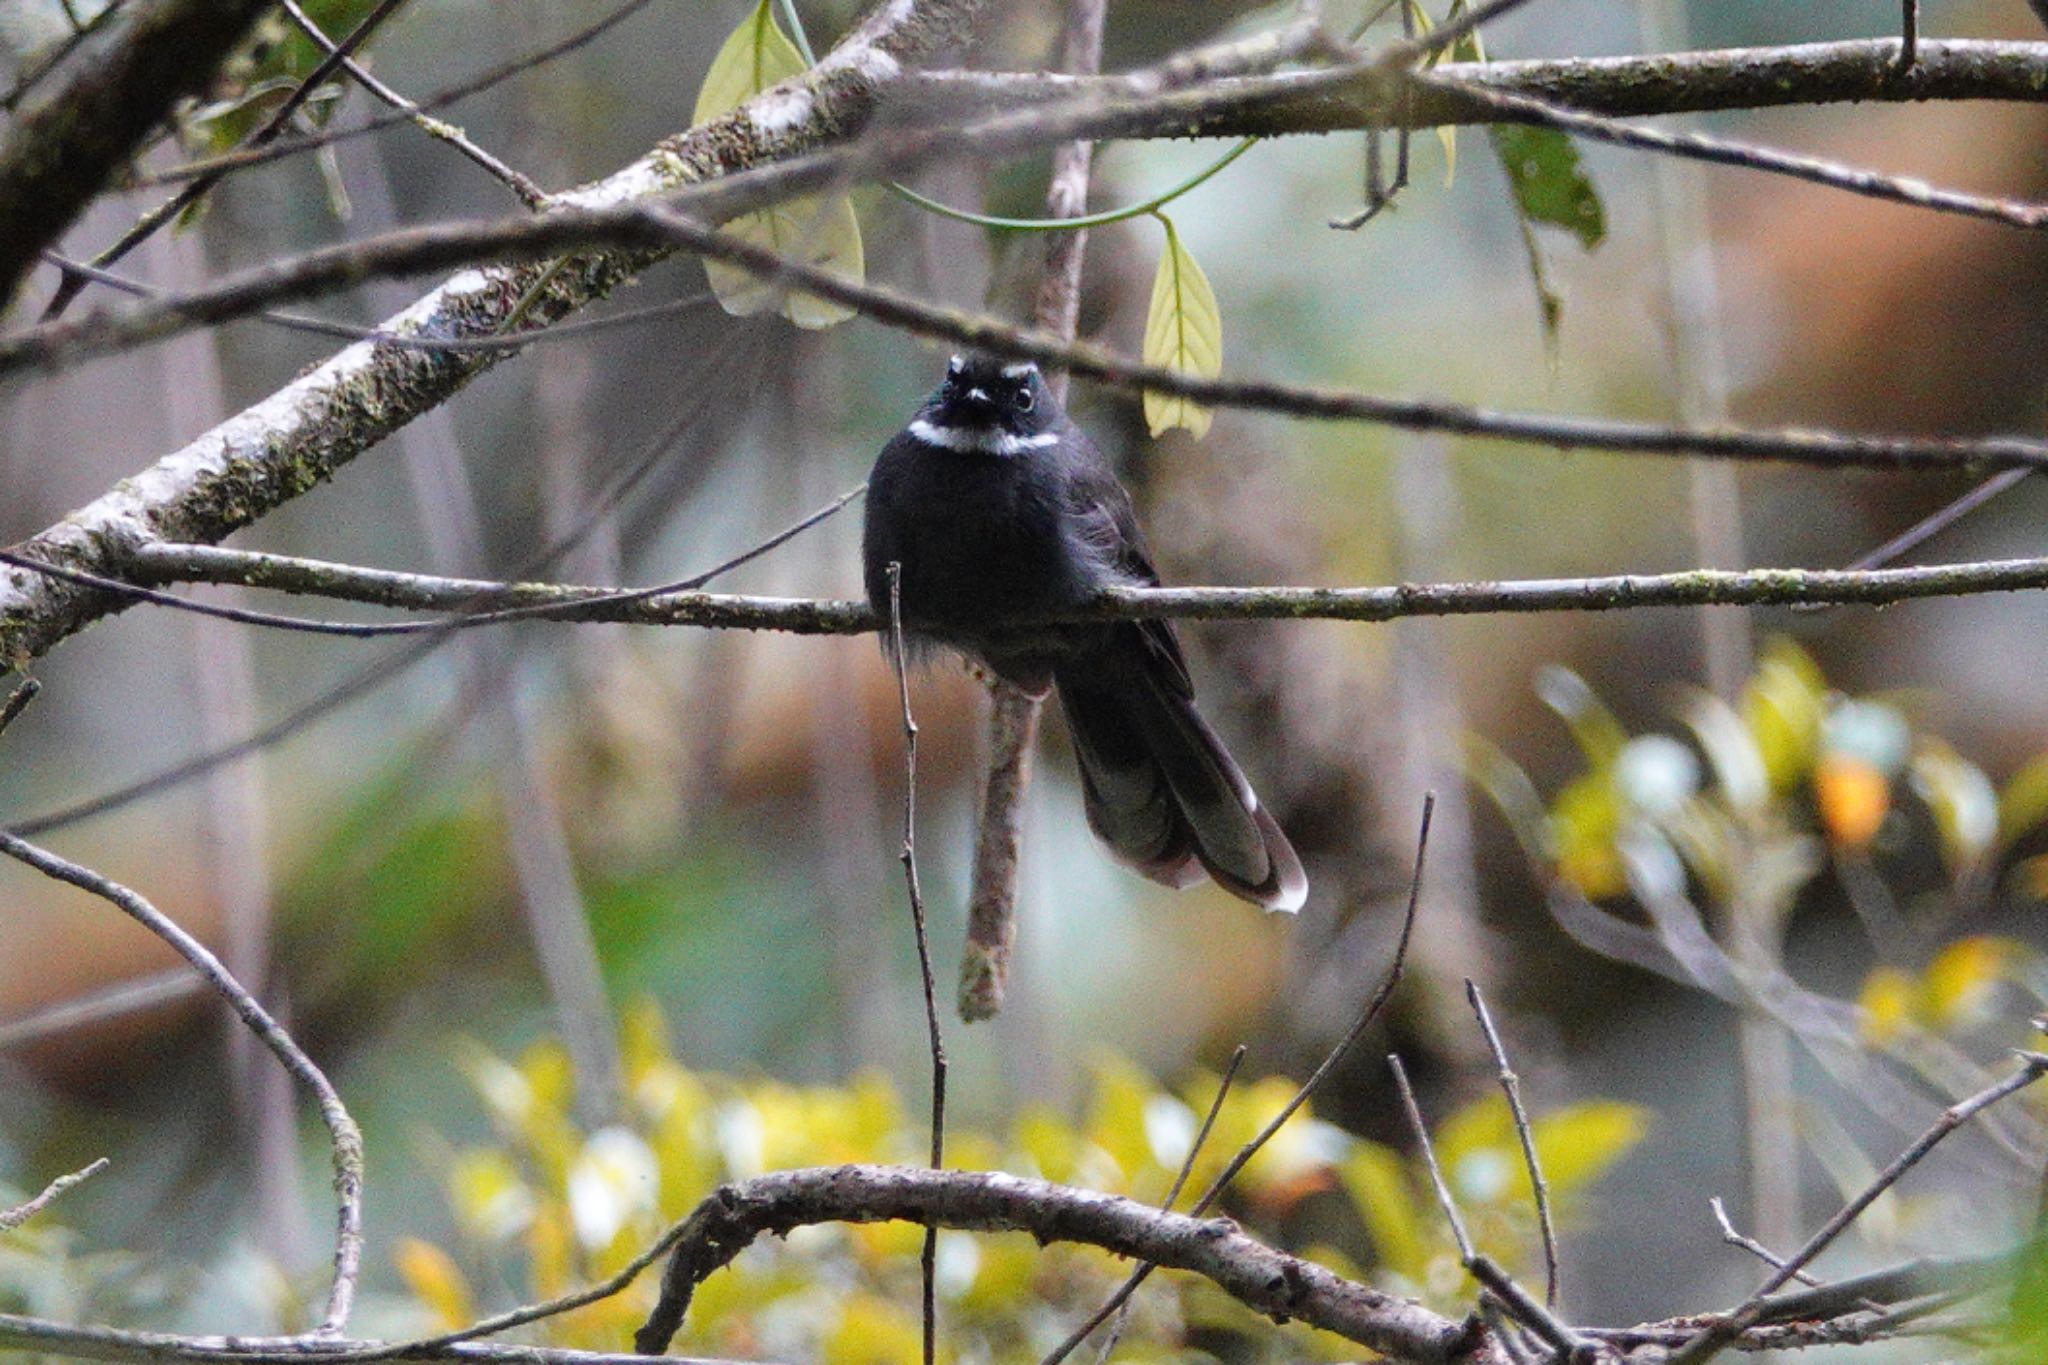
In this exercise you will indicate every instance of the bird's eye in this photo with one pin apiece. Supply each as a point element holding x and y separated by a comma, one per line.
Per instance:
<point>1026,400</point>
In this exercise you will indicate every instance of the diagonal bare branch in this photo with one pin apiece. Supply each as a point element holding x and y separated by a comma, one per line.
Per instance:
<point>59,155</point>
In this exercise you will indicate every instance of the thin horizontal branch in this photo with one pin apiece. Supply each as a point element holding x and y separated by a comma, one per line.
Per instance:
<point>165,564</point>
<point>1706,81</point>
<point>1269,1281</point>
<point>1906,190</point>
<point>155,1348</point>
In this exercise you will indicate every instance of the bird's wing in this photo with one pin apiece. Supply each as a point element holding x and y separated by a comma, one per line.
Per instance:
<point>1108,525</point>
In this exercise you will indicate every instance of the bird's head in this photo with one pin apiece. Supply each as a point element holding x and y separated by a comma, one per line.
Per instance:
<point>989,406</point>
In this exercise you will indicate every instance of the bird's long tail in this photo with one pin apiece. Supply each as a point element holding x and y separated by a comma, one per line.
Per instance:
<point>1163,792</point>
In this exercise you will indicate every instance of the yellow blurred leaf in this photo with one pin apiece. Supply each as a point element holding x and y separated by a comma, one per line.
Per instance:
<point>431,1276</point>
<point>1598,732</point>
<point>1584,825</point>
<point>1961,799</point>
<point>1116,1116</point>
<point>872,1331</point>
<point>1783,706</point>
<point>2023,804</point>
<point>490,1199</point>
<point>1886,1001</point>
<point>1376,1178</point>
<point>818,232</point>
<point>1577,1144</point>
<point>1184,332</point>
<point>643,1041</point>
<point>1958,984</point>
<point>1853,798</point>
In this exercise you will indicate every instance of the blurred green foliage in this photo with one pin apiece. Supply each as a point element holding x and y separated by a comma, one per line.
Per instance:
<point>263,74</point>
<point>548,1206</point>
<point>45,1274</point>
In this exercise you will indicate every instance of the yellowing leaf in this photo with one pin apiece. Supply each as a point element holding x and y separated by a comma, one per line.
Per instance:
<point>822,233</point>
<point>754,56</point>
<point>431,1275</point>
<point>1184,332</point>
<point>817,232</point>
<point>872,1331</point>
<point>1584,826</point>
<point>488,1195</point>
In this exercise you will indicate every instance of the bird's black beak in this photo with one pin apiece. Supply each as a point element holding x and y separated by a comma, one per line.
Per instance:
<point>972,408</point>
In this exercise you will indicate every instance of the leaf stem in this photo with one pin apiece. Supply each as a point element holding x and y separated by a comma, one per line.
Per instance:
<point>1102,219</point>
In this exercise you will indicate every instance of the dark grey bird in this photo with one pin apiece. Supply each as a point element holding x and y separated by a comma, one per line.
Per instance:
<point>999,510</point>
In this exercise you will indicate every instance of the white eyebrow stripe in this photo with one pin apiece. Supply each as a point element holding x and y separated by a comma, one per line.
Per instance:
<point>1019,371</point>
<point>979,440</point>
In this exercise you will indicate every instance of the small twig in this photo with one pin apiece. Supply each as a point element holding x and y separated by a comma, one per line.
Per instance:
<point>17,701</point>
<point>928,1260</point>
<point>520,184</point>
<point>1180,1180</point>
<point>1934,523</point>
<point>1750,1244</point>
<point>346,1138</point>
<point>162,563</point>
<point>1308,1088</point>
<point>147,225</point>
<point>1436,1174</point>
<point>641,225</point>
<point>10,1219</point>
<point>1484,1269</point>
<point>229,162</point>
<point>1709,1342</point>
<point>1511,1086</point>
<point>1909,37</point>
<point>349,331</point>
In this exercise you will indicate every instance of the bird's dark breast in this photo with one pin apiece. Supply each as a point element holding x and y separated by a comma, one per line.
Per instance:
<point>983,550</point>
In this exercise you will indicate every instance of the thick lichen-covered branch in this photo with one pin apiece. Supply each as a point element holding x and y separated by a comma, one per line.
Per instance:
<point>1270,1281</point>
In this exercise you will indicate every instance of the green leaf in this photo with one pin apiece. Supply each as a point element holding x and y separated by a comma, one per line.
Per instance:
<point>1184,332</point>
<point>1549,184</point>
<point>818,232</point>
